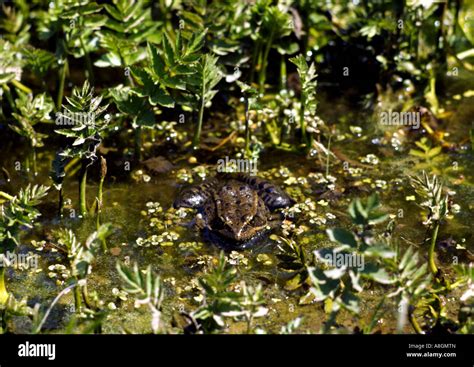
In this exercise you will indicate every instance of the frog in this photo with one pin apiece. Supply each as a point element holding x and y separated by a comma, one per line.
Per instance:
<point>235,209</point>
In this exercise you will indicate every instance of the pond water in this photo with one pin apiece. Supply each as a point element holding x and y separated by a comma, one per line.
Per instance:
<point>130,205</point>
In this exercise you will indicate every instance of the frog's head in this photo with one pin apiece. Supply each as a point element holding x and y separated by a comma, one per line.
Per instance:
<point>195,196</point>
<point>241,212</point>
<point>276,198</point>
<point>237,231</point>
<point>190,198</point>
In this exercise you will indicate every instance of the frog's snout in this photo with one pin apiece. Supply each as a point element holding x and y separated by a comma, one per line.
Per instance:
<point>279,201</point>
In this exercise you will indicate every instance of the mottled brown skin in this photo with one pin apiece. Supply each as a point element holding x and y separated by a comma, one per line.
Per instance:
<point>236,207</point>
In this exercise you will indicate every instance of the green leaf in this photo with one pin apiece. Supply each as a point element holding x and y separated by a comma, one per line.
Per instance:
<point>195,43</point>
<point>349,301</point>
<point>323,287</point>
<point>112,10</point>
<point>169,51</point>
<point>357,216</point>
<point>161,97</point>
<point>7,77</point>
<point>433,152</point>
<point>342,236</point>
<point>376,273</point>
<point>157,63</point>
<point>381,251</point>
<point>417,153</point>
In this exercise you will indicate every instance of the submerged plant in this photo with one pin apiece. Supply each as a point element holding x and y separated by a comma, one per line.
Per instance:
<point>32,111</point>
<point>220,301</point>
<point>87,129</point>
<point>147,290</point>
<point>429,154</point>
<point>431,190</point>
<point>272,23</point>
<point>359,255</point>
<point>207,76</point>
<point>79,258</point>
<point>128,26</point>
<point>17,213</point>
<point>165,81</point>
<point>308,100</point>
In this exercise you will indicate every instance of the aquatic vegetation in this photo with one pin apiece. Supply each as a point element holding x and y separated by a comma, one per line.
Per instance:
<point>18,212</point>
<point>364,255</point>
<point>31,111</point>
<point>220,301</point>
<point>357,257</point>
<point>207,75</point>
<point>77,265</point>
<point>147,290</point>
<point>272,24</point>
<point>128,27</point>
<point>72,26</point>
<point>83,113</point>
<point>427,153</point>
<point>308,101</point>
<point>171,71</point>
<point>436,202</point>
<point>250,98</point>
